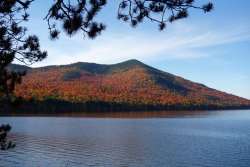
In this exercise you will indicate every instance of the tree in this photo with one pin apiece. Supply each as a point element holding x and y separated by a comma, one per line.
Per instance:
<point>15,43</point>
<point>4,144</point>
<point>80,14</point>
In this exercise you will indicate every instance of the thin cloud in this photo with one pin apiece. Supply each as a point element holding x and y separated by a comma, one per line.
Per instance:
<point>116,47</point>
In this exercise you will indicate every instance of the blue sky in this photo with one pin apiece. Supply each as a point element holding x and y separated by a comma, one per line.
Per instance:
<point>212,48</point>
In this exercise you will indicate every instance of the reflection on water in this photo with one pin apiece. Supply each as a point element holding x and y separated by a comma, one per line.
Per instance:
<point>127,114</point>
<point>216,139</point>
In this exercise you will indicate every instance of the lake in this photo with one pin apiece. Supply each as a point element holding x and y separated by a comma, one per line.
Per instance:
<point>211,139</point>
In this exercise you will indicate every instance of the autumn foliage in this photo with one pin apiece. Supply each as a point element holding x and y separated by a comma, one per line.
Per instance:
<point>131,82</point>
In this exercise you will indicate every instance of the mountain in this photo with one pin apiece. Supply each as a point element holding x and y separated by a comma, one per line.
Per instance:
<point>129,83</point>
<point>17,67</point>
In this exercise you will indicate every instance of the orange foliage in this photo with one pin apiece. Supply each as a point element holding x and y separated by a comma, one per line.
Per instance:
<point>134,86</point>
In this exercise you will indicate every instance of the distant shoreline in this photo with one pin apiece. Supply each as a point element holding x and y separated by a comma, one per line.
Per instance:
<point>129,114</point>
<point>102,109</point>
<point>61,108</point>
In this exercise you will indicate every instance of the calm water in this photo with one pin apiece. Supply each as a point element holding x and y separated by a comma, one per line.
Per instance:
<point>218,139</point>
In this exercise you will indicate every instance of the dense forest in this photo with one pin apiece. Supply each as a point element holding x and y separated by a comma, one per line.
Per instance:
<point>55,107</point>
<point>126,86</point>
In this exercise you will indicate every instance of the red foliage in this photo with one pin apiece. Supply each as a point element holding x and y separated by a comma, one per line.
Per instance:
<point>135,86</point>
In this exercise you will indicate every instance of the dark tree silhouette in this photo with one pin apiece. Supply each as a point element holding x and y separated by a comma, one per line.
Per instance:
<point>4,143</point>
<point>159,11</point>
<point>15,43</point>
<point>75,15</point>
<point>78,15</point>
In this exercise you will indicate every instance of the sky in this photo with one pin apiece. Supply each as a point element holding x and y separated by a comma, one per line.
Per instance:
<point>211,48</point>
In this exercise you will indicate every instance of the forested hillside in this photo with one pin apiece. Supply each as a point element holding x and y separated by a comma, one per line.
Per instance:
<point>132,83</point>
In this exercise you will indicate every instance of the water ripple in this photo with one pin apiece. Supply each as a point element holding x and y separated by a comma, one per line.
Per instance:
<point>187,142</point>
